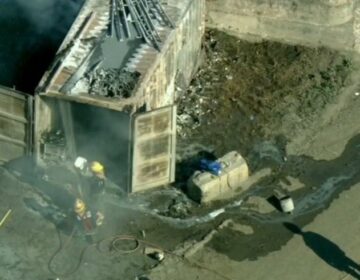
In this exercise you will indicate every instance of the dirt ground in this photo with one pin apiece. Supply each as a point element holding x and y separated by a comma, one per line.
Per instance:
<point>290,110</point>
<point>249,93</point>
<point>268,101</point>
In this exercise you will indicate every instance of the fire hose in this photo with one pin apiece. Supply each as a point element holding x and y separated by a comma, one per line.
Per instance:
<point>114,248</point>
<point>3,220</point>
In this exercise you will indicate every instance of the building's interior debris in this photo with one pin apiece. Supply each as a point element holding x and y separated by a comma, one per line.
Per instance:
<point>129,25</point>
<point>112,82</point>
<point>137,19</point>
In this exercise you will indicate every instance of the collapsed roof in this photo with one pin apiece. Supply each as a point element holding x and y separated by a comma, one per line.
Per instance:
<point>100,55</point>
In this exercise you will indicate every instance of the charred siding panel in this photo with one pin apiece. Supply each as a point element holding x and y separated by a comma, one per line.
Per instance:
<point>15,124</point>
<point>154,144</point>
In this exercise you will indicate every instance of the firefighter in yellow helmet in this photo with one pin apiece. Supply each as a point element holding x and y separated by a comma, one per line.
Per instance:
<point>97,169</point>
<point>99,183</point>
<point>99,178</point>
<point>87,221</point>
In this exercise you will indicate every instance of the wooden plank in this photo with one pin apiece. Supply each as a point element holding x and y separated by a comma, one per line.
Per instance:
<point>14,125</point>
<point>29,129</point>
<point>61,78</point>
<point>9,151</point>
<point>13,117</point>
<point>12,92</point>
<point>99,101</point>
<point>153,151</point>
<point>153,171</point>
<point>12,129</point>
<point>4,138</point>
<point>12,105</point>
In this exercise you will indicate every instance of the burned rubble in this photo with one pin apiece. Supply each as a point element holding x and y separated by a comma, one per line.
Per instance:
<point>178,208</point>
<point>118,83</point>
<point>102,54</point>
<point>259,91</point>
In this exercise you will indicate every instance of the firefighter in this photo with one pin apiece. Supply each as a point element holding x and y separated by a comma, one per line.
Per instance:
<point>98,169</point>
<point>98,178</point>
<point>87,221</point>
<point>94,180</point>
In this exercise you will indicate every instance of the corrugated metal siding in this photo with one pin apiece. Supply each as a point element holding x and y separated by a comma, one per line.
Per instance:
<point>15,124</point>
<point>154,149</point>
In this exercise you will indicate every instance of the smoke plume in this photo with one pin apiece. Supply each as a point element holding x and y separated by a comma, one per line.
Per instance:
<point>30,34</point>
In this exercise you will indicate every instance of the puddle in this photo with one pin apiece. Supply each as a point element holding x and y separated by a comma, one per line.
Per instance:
<point>317,175</point>
<point>307,204</point>
<point>177,222</point>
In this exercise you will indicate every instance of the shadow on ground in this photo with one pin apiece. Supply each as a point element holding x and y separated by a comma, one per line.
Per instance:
<point>323,180</point>
<point>327,250</point>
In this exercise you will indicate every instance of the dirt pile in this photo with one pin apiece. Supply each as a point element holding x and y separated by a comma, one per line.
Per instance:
<point>247,92</point>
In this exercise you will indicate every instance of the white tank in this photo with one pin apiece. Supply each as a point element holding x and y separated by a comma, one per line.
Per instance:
<point>287,204</point>
<point>205,187</point>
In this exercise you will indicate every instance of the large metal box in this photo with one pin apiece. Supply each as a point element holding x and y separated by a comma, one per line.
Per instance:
<point>205,187</point>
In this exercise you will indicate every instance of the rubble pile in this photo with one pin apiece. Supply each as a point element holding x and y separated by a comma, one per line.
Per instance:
<point>208,78</point>
<point>190,117</point>
<point>54,137</point>
<point>247,92</point>
<point>112,82</point>
<point>179,208</point>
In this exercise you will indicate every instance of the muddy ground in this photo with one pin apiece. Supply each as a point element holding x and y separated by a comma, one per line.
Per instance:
<point>268,101</point>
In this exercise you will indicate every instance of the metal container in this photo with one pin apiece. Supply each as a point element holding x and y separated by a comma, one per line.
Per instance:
<point>287,204</point>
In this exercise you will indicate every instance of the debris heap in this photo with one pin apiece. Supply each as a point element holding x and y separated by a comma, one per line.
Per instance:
<point>248,92</point>
<point>112,82</point>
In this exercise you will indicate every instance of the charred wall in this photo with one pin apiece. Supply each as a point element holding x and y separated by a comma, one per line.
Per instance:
<point>178,59</point>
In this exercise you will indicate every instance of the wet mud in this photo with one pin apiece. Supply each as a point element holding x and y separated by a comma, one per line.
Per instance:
<point>323,180</point>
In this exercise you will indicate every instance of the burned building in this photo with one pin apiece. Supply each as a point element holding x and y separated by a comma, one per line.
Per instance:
<point>109,93</point>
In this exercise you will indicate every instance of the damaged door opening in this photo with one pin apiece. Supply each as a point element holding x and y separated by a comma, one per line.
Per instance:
<point>16,124</point>
<point>75,129</point>
<point>138,151</point>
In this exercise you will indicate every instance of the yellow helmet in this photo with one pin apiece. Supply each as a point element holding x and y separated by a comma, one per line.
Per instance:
<point>79,206</point>
<point>97,168</point>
